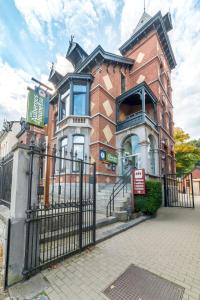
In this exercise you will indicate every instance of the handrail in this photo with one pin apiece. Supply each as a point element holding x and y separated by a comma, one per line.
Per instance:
<point>121,184</point>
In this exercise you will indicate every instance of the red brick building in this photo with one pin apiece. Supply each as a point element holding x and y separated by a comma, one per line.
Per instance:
<point>117,109</point>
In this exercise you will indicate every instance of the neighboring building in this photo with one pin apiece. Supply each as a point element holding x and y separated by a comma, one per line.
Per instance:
<point>8,137</point>
<point>118,104</point>
<point>196,181</point>
<point>28,132</point>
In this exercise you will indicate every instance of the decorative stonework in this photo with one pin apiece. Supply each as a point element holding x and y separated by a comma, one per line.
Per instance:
<point>141,78</point>
<point>92,131</point>
<point>92,105</point>
<point>107,82</point>
<point>108,108</point>
<point>140,57</point>
<point>92,160</point>
<point>108,133</point>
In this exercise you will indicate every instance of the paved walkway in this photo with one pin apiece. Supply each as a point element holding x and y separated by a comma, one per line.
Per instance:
<point>168,245</point>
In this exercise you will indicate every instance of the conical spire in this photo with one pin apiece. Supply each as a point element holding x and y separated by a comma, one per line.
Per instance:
<point>144,19</point>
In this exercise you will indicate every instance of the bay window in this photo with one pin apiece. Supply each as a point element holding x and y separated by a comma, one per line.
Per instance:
<point>65,104</point>
<point>78,150</point>
<point>63,152</point>
<point>79,99</point>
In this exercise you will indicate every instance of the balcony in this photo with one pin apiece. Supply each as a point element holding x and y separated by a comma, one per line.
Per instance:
<point>135,107</point>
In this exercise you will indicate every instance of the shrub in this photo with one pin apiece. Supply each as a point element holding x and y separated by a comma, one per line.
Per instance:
<point>152,200</point>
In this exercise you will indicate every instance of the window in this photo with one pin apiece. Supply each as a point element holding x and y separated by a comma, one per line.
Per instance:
<point>65,104</point>
<point>151,154</point>
<point>123,83</point>
<point>162,73</point>
<point>56,127</point>
<point>78,150</point>
<point>79,99</point>
<point>63,152</point>
<point>170,124</point>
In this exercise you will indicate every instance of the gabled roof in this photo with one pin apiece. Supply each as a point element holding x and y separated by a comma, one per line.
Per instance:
<point>75,54</point>
<point>162,25</point>
<point>100,55</point>
<point>144,19</point>
<point>55,77</point>
<point>135,89</point>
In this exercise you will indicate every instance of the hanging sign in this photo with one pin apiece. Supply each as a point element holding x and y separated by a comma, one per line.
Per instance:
<point>36,107</point>
<point>139,182</point>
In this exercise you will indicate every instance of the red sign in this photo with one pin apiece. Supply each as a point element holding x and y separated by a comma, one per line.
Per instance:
<point>139,182</point>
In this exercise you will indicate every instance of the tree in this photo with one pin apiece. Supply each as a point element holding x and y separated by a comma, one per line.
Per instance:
<point>187,153</point>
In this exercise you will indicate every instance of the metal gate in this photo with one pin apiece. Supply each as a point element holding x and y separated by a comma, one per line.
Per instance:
<point>178,190</point>
<point>61,220</point>
<point>6,165</point>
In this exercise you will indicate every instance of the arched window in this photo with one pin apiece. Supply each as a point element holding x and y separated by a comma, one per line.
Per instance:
<point>131,155</point>
<point>151,154</point>
<point>170,124</point>
<point>78,150</point>
<point>163,116</point>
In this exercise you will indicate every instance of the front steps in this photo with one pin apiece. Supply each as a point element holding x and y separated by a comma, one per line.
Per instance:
<point>121,203</point>
<point>106,230</point>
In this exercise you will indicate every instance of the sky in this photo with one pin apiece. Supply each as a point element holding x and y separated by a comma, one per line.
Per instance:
<point>35,33</point>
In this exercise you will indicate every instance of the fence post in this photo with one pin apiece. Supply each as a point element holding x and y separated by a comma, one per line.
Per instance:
<point>165,190</point>
<point>192,190</point>
<point>81,204</point>
<point>21,196</point>
<point>94,203</point>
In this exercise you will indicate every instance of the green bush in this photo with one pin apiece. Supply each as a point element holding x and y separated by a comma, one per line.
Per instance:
<point>152,200</point>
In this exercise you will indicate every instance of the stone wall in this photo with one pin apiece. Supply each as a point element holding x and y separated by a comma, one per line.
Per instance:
<point>4,216</point>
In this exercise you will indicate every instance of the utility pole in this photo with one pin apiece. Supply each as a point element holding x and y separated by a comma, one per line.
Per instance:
<point>47,154</point>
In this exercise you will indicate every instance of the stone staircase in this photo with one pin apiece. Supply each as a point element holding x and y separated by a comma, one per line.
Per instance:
<point>121,203</point>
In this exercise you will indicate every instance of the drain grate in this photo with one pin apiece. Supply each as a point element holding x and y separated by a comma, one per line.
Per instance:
<point>139,284</point>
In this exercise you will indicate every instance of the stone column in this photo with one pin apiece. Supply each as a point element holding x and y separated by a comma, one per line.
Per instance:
<point>19,200</point>
<point>144,155</point>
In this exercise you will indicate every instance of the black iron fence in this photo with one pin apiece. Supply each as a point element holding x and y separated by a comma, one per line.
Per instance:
<point>6,166</point>
<point>178,190</point>
<point>61,208</point>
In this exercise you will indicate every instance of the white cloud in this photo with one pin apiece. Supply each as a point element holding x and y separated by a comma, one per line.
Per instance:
<point>62,65</point>
<point>185,39</point>
<point>76,16</point>
<point>13,87</point>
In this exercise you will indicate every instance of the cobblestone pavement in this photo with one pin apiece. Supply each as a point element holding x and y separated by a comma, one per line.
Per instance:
<point>168,245</point>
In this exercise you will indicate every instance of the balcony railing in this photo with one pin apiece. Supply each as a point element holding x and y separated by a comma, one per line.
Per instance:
<point>134,120</point>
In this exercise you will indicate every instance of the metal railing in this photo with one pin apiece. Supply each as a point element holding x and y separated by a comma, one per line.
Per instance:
<point>120,185</point>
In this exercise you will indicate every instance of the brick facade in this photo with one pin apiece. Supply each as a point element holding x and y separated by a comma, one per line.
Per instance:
<point>145,61</point>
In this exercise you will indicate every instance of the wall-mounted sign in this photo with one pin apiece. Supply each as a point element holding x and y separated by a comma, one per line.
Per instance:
<point>139,182</point>
<point>102,155</point>
<point>108,157</point>
<point>36,107</point>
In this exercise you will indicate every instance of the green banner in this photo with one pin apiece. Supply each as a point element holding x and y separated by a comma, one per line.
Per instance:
<point>111,158</point>
<point>35,107</point>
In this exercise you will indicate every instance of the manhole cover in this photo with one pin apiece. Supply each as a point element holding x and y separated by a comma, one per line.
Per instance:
<point>139,284</point>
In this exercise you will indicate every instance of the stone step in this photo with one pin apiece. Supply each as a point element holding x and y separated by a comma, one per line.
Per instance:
<point>104,221</point>
<point>121,215</point>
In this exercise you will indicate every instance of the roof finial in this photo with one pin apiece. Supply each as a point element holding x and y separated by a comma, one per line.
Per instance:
<point>144,6</point>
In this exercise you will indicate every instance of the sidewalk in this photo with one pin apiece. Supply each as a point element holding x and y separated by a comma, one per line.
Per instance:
<point>168,246</point>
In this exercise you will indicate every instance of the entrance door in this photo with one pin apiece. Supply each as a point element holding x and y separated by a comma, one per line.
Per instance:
<point>131,154</point>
